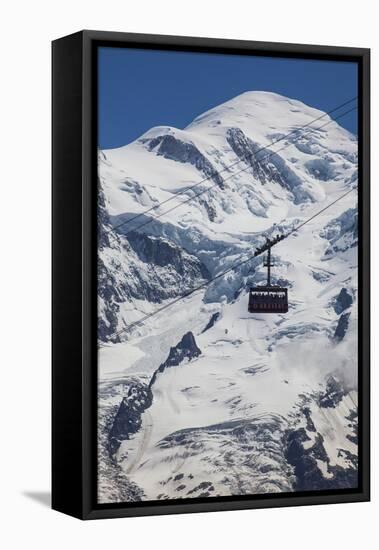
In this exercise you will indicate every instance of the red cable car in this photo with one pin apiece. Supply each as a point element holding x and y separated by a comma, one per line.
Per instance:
<point>268,298</point>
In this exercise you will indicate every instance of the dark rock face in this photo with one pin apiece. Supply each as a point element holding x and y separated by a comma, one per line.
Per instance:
<point>108,290</point>
<point>246,150</point>
<point>107,286</point>
<point>170,271</point>
<point>308,475</point>
<point>128,418</point>
<point>185,349</point>
<point>304,458</point>
<point>343,323</point>
<point>161,252</point>
<point>353,424</point>
<point>332,395</point>
<point>304,461</point>
<point>305,467</point>
<point>173,148</point>
<point>342,232</point>
<point>103,222</point>
<point>215,317</point>
<point>114,484</point>
<point>266,165</point>
<point>321,275</point>
<point>343,301</point>
<point>321,169</point>
<point>310,424</point>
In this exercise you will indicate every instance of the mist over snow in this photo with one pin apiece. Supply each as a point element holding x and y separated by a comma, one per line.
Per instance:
<point>205,399</point>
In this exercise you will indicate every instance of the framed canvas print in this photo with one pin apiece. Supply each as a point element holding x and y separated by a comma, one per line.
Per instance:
<point>210,274</point>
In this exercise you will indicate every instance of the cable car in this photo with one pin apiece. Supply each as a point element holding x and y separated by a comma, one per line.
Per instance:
<point>268,298</point>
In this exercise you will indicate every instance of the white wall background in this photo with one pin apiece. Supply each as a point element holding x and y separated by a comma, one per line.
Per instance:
<point>27,29</point>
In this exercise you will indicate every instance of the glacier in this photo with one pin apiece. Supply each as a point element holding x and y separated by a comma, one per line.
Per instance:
<point>205,399</point>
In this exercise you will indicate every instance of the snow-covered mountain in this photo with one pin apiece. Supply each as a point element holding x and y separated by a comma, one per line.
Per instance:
<point>205,399</point>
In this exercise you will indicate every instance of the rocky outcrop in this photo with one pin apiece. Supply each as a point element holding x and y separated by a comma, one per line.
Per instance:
<point>321,169</point>
<point>343,301</point>
<point>175,149</point>
<point>342,326</point>
<point>103,222</point>
<point>342,232</point>
<point>128,418</point>
<point>142,267</point>
<point>185,350</point>
<point>214,318</point>
<point>306,448</point>
<point>304,461</point>
<point>332,395</point>
<point>113,483</point>
<point>266,165</point>
<point>161,252</point>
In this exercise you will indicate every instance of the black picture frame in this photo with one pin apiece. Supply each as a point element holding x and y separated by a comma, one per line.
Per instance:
<point>74,317</point>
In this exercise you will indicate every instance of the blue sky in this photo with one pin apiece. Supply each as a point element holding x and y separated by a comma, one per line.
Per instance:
<point>139,89</point>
